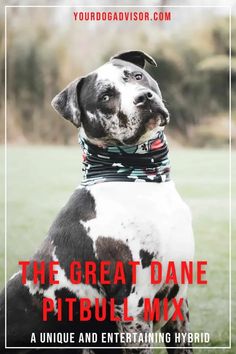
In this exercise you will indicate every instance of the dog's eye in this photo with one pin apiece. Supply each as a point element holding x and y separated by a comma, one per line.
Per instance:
<point>105,98</point>
<point>138,76</point>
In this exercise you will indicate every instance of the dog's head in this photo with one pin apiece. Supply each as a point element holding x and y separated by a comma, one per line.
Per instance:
<point>119,103</point>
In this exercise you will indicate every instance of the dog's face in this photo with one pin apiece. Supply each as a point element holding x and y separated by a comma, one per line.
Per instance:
<point>119,103</point>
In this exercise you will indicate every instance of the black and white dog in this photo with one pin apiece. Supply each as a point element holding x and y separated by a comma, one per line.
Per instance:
<point>126,210</point>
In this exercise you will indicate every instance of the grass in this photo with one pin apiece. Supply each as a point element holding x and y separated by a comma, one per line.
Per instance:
<point>41,179</point>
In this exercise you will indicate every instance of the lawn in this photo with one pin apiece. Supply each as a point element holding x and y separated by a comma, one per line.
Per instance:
<point>40,180</point>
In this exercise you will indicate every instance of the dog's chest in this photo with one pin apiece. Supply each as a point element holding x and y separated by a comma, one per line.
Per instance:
<point>145,216</point>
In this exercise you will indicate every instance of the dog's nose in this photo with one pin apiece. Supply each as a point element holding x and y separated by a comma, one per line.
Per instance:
<point>142,98</point>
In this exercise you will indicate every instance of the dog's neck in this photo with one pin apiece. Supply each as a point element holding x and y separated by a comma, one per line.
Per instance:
<point>146,162</point>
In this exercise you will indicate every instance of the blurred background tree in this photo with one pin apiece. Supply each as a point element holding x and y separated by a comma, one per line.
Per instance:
<point>46,49</point>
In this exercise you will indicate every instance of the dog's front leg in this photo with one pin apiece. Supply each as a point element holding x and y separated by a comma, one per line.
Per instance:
<point>177,330</point>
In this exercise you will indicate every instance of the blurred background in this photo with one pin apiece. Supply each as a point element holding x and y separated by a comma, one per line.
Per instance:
<point>46,49</point>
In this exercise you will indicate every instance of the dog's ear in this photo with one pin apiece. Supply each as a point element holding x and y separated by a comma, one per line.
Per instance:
<point>136,57</point>
<point>66,102</point>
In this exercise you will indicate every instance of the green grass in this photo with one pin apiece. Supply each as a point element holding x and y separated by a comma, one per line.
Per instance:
<point>41,179</point>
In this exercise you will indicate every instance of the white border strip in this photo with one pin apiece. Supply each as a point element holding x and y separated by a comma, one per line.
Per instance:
<point>230,167</point>
<point>129,6</point>
<point>206,348</point>
<point>5,182</point>
<point>121,6</point>
<point>230,180</point>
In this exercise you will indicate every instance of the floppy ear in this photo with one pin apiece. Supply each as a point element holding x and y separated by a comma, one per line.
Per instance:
<point>136,57</point>
<point>66,102</point>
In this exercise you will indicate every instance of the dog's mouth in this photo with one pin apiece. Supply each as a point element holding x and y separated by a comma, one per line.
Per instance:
<point>161,118</point>
<point>156,119</point>
<point>151,124</point>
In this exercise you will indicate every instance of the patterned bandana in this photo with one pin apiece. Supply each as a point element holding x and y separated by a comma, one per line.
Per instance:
<point>146,162</point>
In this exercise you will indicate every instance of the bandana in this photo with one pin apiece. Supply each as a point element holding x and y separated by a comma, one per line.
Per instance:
<point>146,162</point>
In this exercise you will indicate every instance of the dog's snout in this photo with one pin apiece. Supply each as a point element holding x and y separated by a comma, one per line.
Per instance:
<point>142,98</point>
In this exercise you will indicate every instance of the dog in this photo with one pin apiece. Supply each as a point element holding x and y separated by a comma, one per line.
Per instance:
<point>126,209</point>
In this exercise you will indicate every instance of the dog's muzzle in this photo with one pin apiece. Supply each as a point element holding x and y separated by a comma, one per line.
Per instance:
<point>146,100</point>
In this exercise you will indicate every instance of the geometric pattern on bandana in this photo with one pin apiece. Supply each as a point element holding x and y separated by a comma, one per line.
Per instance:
<point>146,162</point>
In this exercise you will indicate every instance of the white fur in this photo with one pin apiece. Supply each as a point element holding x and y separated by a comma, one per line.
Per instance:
<point>128,91</point>
<point>80,290</point>
<point>14,275</point>
<point>91,116</point>
<point>149,216</point>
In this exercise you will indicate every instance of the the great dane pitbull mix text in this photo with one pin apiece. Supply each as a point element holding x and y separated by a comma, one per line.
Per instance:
<point>129,213</point>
